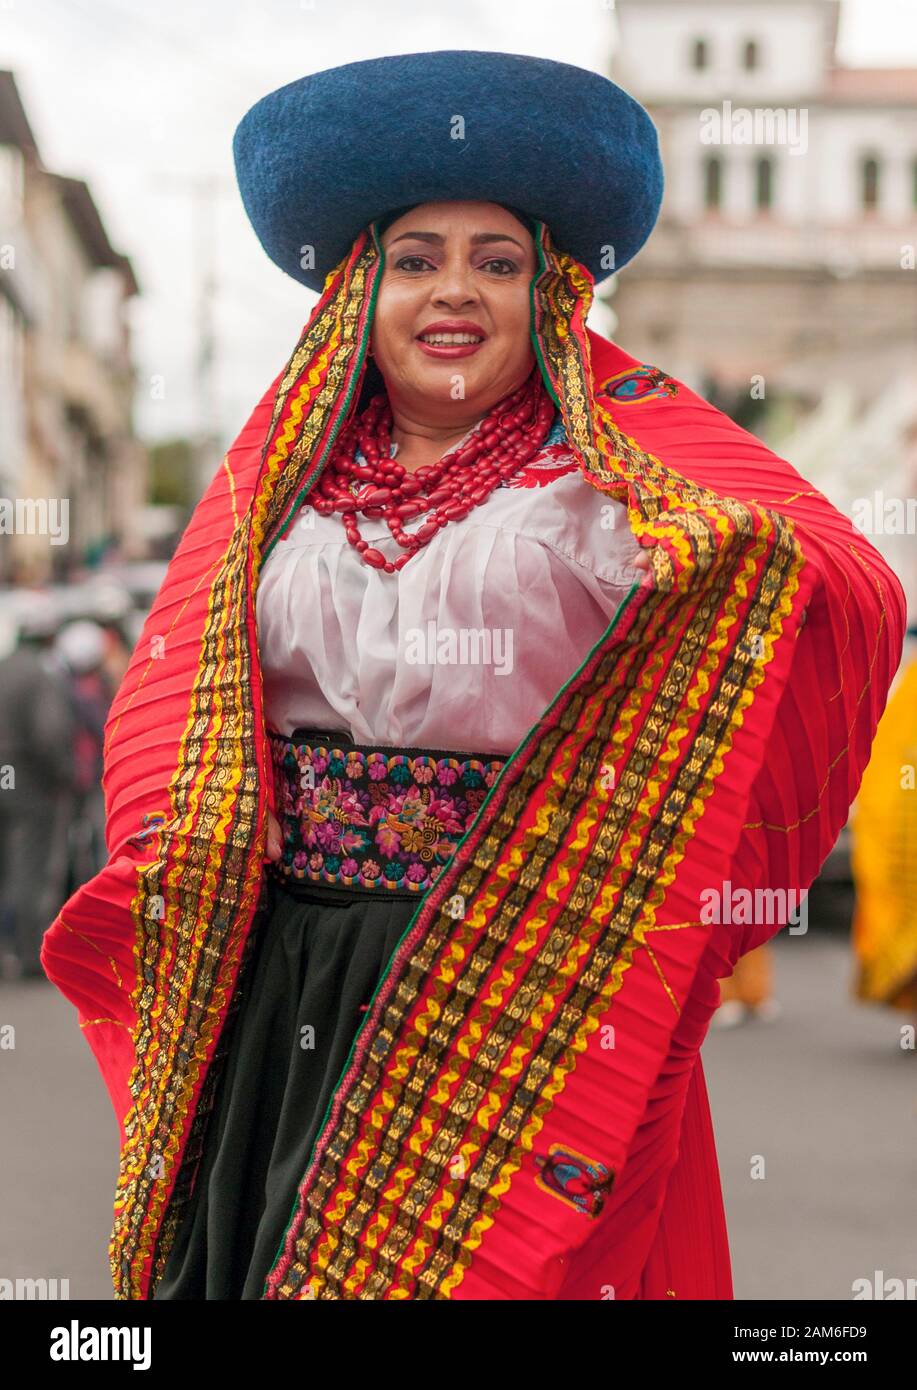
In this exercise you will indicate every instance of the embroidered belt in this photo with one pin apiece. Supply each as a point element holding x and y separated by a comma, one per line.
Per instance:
<point>372,818</point>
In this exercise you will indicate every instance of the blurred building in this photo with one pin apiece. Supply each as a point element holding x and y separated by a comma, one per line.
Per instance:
<point>781,280</point>
<point>66,373</point>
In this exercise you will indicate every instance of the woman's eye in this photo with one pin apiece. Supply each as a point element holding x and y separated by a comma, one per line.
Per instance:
<point>403,264</point>
<point>511,266</point>
<point>503,264</point>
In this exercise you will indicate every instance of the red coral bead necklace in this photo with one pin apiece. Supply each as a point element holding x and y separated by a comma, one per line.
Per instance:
<point>508,437</point>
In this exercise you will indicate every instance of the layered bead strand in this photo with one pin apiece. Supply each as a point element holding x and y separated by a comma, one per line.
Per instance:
<point>508,437</point>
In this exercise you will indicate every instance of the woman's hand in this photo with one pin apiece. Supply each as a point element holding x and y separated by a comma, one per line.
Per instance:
<point>274,837</point>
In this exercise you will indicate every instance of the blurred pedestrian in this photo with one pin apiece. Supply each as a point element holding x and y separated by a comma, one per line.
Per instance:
<point>884,855</point>
<point>117,652</point>
<point>748,992</point>
<point>36,783</point>
<point>83,649</point>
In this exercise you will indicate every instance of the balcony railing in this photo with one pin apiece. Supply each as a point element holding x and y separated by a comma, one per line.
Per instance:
<point>715,241</point>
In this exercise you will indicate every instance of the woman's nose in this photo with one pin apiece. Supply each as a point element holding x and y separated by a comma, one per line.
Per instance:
<point>454,298</point>
<point>455,286</point>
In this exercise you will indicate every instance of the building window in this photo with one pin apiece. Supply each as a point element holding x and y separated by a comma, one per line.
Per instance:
<point>700,56</point>
<point>764,183</point>
<point>713,181</point>
<point>869,183</point>
<point>751,58</point>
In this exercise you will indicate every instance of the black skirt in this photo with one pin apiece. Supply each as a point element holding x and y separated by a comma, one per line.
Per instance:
<point>318,959</point>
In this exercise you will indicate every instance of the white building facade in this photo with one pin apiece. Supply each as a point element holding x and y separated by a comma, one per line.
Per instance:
<point>781,280</point>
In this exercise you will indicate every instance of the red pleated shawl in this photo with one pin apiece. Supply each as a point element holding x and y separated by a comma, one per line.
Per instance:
<point>714,736</point>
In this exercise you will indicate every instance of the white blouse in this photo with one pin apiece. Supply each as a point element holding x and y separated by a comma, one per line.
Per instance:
<point>465,647</point>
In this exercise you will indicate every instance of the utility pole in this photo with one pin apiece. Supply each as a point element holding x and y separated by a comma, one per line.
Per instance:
<point>204,190</point>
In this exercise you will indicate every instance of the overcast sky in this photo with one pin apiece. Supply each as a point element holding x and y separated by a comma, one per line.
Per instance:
<point>137,98</point>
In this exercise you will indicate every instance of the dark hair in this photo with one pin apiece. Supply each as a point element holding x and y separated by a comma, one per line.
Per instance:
<point>527,221</point>
<point>390,217</point>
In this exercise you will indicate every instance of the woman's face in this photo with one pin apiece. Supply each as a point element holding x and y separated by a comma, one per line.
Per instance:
<point>454,268</point>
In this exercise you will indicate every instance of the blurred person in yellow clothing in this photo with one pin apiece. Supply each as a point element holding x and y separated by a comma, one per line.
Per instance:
<point>748,991</point>
<point>884,852</point>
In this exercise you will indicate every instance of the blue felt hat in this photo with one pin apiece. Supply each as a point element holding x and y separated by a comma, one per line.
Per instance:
<point>319,159</point>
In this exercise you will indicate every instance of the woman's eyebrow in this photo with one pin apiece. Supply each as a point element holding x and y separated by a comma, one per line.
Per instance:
<point>478,238</point>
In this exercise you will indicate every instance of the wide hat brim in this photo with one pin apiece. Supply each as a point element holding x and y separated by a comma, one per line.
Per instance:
<point>320,158</point>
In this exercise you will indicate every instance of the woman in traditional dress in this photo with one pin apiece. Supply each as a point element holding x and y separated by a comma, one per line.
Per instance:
<point>489,655</point>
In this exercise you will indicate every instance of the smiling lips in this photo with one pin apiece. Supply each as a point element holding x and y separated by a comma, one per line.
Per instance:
<point>451,338</point>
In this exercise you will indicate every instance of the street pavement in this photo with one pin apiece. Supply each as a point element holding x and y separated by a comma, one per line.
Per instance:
<point>824,1094</point>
